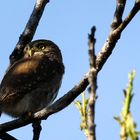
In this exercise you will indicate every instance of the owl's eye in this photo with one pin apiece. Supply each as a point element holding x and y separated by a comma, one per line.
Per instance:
<point>42,47</point>
<point>26,48</point>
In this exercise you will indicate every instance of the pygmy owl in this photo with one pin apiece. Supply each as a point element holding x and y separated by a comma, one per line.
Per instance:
<point>32,82</point>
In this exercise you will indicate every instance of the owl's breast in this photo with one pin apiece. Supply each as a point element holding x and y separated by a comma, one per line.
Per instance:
<point>26,66</point>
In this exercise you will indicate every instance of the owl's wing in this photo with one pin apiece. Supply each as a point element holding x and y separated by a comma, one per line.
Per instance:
<point>26,75</point>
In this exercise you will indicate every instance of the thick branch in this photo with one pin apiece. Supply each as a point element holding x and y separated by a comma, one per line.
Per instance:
<point>6,136</point>
<point>29,30</point>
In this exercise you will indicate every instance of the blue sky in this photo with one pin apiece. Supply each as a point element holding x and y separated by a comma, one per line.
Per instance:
<point>68,23</point>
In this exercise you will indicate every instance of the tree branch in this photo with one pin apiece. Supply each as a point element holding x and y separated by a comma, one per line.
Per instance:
<point>130,16</point>
<point>6,136</point>
<point>29,30</point>
<point>120,6</point>
<point>113,37</point>
<point>92,89</point>
<point>36,129</point>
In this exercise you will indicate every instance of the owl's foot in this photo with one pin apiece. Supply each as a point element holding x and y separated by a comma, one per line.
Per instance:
<point>27,115</point>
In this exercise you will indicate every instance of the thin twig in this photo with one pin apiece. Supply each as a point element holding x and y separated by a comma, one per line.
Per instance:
<point>29,30</point>
<point>93,86</point>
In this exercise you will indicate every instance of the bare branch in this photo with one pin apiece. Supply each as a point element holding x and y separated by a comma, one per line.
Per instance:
<point>15,124</point>
<point>93,86</point>
<point>6,136</point>
<point>114,37</point>
<point>120,5</point>
<point>29,30</point>
<point>130,16</point>
<point>36,129</point>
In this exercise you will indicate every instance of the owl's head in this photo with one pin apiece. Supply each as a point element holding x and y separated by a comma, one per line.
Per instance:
<point>43,47</point>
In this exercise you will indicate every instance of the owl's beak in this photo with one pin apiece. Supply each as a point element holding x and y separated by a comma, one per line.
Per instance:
<point>30,52</point>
